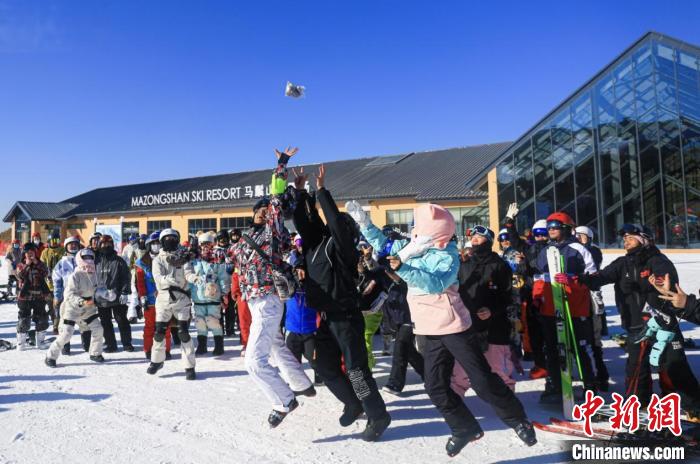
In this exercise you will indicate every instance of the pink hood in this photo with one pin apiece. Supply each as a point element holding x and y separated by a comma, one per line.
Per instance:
<point>434,221</point>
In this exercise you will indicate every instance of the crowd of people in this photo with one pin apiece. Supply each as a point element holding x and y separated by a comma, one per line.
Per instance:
<point>460,318</point>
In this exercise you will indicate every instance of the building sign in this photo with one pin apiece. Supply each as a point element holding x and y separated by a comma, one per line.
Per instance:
<point>200,196</point>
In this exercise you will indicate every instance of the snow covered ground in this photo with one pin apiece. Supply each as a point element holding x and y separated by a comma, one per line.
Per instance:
<point>116,413</point>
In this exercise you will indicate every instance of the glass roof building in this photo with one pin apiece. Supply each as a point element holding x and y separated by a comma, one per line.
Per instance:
<point>624,148</point>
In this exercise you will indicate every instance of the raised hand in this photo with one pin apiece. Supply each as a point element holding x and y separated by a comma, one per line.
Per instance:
<point>284,156</point>
<point>321,177</point>
<point>300,178</point>
<point>678,298</point>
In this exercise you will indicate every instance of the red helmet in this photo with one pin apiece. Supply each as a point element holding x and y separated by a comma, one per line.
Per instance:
<point>36,234</point>
<point>563,218</point>
<point>16,242</point>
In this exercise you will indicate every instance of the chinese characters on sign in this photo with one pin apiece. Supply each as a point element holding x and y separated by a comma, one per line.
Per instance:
<point>662,413</point>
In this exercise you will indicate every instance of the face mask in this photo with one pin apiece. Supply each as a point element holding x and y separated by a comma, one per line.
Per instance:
<point>154,248</point>
<point>36,241</point>
<point>72,250</point>
<point>15,246</point>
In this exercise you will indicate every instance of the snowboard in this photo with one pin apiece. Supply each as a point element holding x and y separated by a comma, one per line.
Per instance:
<point>564,343</point>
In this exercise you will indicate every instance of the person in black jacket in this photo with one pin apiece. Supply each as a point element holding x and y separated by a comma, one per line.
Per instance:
<point>485,285</point>
<point>331,259</point>
<point>631,273</point>
<point>112,297</point>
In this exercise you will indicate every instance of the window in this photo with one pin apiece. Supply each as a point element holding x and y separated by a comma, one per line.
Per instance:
<point>203,225</point>
<point>400,219</point>
<point>152,226</point>
<point>236,222</point>
<point>129,228</point>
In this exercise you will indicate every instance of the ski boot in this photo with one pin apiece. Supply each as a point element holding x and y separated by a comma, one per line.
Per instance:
<point>50,362</point>
<point>168,356</point>
<point>526,432</point>
<point>276,417</point>
<point>148,355</point>
<point>129,348</point>
<point>456,443</point>
<point>375,428</point>
<point>97,358</point>
<point>551,394</point>
<point>391,389</point>
<point>154,367</point>
<point>310,392</point>
<point>66,349</point>
<point>218,345</point>
<point>350,415</point>
<point>190,374</point>
<point>201,345</point>
<point>41,341</point>
<point>22,341</point>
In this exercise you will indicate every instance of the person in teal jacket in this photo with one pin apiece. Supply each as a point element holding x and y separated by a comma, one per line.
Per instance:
<point>429,264</point>
<point>209,282</point>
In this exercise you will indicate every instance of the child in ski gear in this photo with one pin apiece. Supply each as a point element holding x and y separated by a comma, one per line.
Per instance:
<point>578,261</point>
<point>370,286</point>
<point>173,300</point>
<point>331,259</point>
<point>300,322</point>
<point>429,264</point>
<point>640,305</point>
<point>51,256</point>
<point>112,297</point>
<point>540,237</point>
<point>209,282</point>
<point>12,258</point>
<point>263,283</point>
<point>485,286</point>
<point>32,294</point>
<point>146,292</point>
<point>61,272</point>
<point>79,308</point>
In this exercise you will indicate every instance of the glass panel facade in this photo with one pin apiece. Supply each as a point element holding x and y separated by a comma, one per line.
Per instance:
<point>626,148</point>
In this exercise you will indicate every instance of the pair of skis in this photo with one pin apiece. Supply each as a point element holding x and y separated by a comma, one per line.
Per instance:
<point>566,339</point>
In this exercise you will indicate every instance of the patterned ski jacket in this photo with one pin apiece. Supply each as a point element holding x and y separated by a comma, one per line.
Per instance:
<point>32,281</point>
<point>60,274</point>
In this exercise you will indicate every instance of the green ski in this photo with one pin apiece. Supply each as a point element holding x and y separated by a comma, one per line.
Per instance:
<point>565,341</point>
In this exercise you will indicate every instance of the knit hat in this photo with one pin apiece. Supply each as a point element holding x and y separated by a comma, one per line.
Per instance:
<point>434,221</point>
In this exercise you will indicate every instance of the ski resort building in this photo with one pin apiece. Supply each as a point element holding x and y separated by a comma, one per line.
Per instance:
<point>624,147</point>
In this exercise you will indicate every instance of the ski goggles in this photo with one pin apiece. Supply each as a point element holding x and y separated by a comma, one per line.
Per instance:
<point>504,237</point>
<point>554,224</point>
<point>540,232</point>
<point>634,229</point>
<point>481,230</point>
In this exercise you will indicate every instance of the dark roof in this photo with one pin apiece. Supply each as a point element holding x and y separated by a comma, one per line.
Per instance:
<point>40,210</point>
<point>423,176</point>
<point>651,35</point>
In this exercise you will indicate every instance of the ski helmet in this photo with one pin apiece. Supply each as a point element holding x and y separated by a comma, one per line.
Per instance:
<point>560,220</point>
<point>264,202</point>
<point>169,239</point>
<point>539,228</point>
<point>636,229</point>
<point>85,260</point>
<point>503,234</point>
<point>483,231</point>
<point>208,238</point>
<point>54,239</point>
<point>70,240</point>
<point>583,230</point>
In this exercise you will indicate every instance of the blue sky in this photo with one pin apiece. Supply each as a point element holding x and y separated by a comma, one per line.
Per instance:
<point>99,93</point>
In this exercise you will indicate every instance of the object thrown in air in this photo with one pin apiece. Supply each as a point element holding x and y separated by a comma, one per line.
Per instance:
<point>294,91</point>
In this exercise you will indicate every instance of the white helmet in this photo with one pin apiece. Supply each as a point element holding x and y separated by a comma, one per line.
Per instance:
<point>540,224</point>
<point>165,232</point>
<point>208,237</point>
<point>585,231</point>
<point>71,240</point>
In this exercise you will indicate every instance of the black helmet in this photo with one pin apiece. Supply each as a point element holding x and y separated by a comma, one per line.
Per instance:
<point>264,202</point>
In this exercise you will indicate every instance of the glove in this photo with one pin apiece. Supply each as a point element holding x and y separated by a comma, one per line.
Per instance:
<point>415,247</point>
<point>512,211</point>
<point>123,299</point>
<point>563,279</point>
<point>358,214</point>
